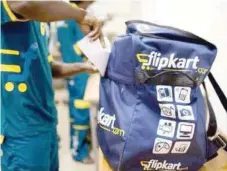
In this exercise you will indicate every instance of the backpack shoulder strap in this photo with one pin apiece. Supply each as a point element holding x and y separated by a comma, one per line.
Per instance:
<point>218,91</point>
<point>212,132</point>
<point>212,122</point>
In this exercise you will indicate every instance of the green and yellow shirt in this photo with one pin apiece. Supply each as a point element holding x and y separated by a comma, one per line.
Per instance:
<point>27,96</point>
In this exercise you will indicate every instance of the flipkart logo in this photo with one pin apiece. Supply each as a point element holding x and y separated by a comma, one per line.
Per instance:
<point>107,123</point>
<point>155,60</point>
<point>156,165</point>
<point>144,59</point>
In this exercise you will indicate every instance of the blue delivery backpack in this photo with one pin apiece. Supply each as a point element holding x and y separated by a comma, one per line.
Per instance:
<point>152,113</point>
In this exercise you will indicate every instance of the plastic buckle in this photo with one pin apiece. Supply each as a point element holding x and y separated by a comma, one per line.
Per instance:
<point>221,141</point>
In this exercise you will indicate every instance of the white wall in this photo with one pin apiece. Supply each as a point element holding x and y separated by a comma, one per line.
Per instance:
<point>206,18</point>
<point>122,11</point>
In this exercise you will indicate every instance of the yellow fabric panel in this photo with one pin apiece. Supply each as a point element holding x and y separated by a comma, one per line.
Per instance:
<point>81,104</point>
<point>81,127</point>
<point>10,68</point>
<point>10,12</point>
<point>9,52</point>
<point>77,49</point>
<point>1,139</point>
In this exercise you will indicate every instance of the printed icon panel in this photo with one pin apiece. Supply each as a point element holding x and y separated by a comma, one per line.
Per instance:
<point>162,146</point>
<point>181,147</point>
<point>164,93</point>
<point>185,130</point>
<point>185,112</point>
<point>166,128</point>
<point>182,94</point>
<point>168,110</point>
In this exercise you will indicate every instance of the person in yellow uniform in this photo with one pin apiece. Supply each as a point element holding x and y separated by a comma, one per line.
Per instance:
<point>28,113</point>
<point>69,33</point>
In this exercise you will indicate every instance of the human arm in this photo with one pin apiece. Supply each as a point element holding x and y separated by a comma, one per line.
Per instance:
<point>64,70</point>
<point>47,11</point>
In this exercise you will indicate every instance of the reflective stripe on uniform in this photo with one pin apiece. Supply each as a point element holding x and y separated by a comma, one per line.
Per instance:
<point>1,139</point>
<point>9,52</point>
<point>81,127</point>
<point>81,104</point>
<point>10,68</point>
<point>10,13</point>
<point>77,49</point>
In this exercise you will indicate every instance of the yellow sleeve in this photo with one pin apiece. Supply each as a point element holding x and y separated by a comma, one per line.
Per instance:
<point>7,15</point>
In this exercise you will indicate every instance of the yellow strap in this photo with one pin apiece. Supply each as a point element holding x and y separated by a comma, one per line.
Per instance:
<point>9,52</point>
<point>2,139</point>
<point>10,68</point>
<point>81,127</point>
<point>81,104</point>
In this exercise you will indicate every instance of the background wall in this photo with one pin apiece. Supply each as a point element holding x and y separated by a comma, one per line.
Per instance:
<point>122,10</point>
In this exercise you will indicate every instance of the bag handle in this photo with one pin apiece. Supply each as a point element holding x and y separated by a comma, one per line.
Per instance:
<point>149,29</point>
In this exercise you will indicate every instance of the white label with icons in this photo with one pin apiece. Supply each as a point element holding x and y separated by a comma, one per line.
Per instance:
<point>181,147</point>
<point>168,110</point>
<point>185,130</point>
<point>185,112</point>
<point>166,128</point>
<point>162,146</point>
<point>164,93</point>
<point>182,94</point>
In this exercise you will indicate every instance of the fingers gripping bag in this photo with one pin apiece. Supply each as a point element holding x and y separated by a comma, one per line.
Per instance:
<point>152,114</point>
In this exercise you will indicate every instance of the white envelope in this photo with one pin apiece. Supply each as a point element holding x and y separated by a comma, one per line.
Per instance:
<point>95,53</point>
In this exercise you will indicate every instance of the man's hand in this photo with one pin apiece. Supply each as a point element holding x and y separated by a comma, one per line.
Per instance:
<point>64,70</point>
<point>89,68</point>
<point>92,26</point>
